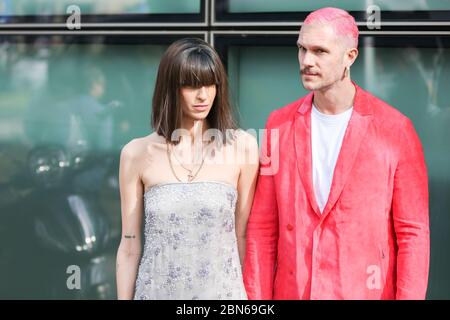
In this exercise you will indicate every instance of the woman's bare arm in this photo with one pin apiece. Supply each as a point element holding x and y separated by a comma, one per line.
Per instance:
<point>131,197</point>
<point>248,147</point>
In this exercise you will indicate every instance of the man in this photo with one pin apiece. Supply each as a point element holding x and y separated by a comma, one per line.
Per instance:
<point>343,214</point>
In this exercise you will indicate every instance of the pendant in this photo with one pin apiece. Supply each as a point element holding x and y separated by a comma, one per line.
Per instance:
<point>190,177</point>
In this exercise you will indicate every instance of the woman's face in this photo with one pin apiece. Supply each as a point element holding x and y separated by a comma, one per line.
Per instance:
<point>197,102</point>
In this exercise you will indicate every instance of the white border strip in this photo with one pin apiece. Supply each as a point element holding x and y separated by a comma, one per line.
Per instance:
<point>412,33</point>
<point>359,23</point>
<point>103,32</point>
<point>99,25</point>
<point>213,13</point>
<point>207,13</point>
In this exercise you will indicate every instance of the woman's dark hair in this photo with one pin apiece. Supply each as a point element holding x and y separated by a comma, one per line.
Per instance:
<point>190,62</point>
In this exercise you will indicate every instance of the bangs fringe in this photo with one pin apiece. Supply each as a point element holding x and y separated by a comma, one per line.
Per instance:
<point>198,70</point>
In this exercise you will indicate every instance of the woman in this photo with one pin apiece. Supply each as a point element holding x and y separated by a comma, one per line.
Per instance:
<point>191,181</point>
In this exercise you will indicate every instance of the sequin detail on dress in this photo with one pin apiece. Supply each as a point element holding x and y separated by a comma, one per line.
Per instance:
<point>190,249</point>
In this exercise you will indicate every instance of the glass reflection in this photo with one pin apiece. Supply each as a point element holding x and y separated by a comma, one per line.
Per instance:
<point>52,7</point>
<point>66,109</point>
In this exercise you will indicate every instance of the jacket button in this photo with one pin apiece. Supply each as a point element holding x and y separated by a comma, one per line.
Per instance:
<point>289,227</point>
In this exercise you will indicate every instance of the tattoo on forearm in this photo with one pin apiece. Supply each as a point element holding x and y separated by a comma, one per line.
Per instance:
<point>130,237</point>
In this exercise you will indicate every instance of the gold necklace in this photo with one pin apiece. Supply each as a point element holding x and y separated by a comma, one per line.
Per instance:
<point>181,162</point>
<point>191,176</point>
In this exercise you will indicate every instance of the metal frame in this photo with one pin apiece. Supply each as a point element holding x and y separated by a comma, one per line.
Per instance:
<point>210,28</point>
<point>99,37</point>
<point>215,34</point>
<point>203,34</point>
<point>222,40</point>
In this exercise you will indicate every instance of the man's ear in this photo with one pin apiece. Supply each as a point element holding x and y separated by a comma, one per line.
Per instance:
<point>351,55</point>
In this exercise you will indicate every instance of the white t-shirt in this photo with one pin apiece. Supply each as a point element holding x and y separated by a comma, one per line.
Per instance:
<point>327,133</point>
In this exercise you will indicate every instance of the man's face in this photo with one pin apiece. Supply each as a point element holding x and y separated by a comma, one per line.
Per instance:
<point>321,56</point>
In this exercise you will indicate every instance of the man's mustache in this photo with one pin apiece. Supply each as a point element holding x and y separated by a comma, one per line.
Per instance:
<point>307,70</point>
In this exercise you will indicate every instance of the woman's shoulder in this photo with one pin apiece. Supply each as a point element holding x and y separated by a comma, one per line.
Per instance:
<point>142,146</point>
<point>244,138</point>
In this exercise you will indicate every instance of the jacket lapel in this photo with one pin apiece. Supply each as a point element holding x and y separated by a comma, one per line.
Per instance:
<point>356,131</point>
<point>302,137</point>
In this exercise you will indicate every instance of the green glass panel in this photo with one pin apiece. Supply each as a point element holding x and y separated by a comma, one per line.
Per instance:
<point>87,100</point>
<point>413,80</point>
<point>52,7</point>
<point>260,84</point>
<point>238,6</point>
<point>61,93</point>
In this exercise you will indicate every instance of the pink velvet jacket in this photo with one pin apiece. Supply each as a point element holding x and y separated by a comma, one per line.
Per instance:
<point>372,239</point>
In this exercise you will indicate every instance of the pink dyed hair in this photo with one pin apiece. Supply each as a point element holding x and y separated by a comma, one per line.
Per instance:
<point>340,20</point>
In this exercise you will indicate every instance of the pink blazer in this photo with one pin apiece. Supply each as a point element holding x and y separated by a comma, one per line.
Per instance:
<point>372,239</point>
